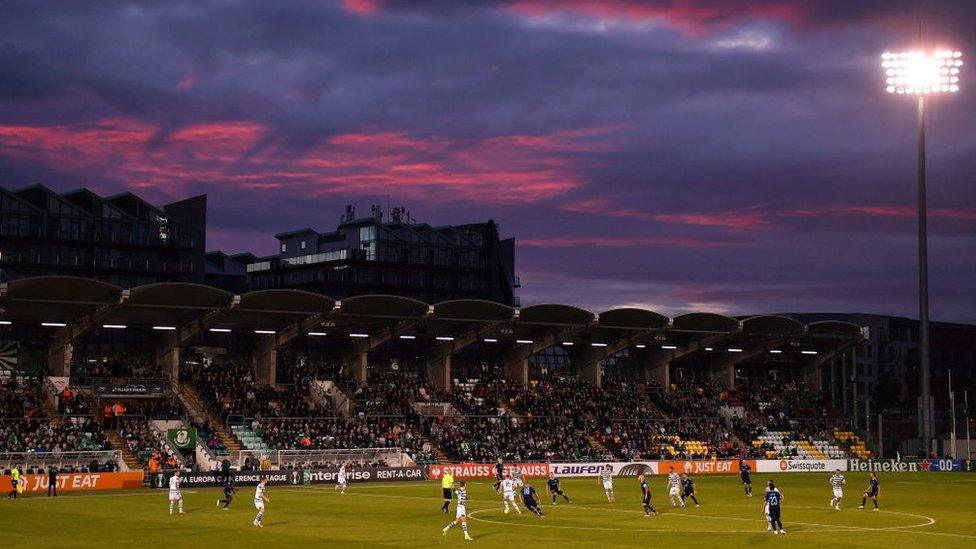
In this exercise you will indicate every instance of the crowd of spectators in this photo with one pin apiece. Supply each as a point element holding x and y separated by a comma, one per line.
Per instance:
<point>20,400</point>
<point>151,450</point>
<point>70,434</point>
<point>335,433</point>
<point>391,393</point>
<point>229,389</point>
<point>83,371</point>
<point>207,434</point>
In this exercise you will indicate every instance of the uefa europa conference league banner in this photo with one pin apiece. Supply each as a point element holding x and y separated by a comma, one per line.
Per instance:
<point>294,477</point>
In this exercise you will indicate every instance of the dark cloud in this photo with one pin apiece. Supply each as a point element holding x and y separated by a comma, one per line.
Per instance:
<point>735,156</point>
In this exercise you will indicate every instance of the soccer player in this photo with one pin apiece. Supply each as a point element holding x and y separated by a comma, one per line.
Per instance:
<point>872,492</point>
<point>461,517</point>
<point>447,486</point>
<point>606,477</point>
<point>508,494</point>
<point>771,507</point>
<point>648,508</point>
<point>499,474</point>
<point>175,495</point>
<point>553,486</point>
<point>837,481</point>
<point>688,490</point>
<point>674,488</point>
<point>517,476</point>
<point>259,499</point>
<point>341,479</point>
<point>744,477</point>
<point>531,500</point>
<point>229,491</point>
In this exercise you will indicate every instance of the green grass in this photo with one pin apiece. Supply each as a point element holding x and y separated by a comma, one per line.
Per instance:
<point>917,510</point>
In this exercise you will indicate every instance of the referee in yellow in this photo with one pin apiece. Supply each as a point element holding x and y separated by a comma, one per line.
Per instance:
<point>447,487</point>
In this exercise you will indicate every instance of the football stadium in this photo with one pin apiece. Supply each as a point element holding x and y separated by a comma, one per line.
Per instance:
<point>665,280</point>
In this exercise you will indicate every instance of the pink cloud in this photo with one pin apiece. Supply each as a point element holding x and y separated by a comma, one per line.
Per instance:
<point>626,242</point>
<point>734,219</point>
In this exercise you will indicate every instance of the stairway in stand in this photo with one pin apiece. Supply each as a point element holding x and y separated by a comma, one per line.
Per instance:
<point>598,446</point>
<point>435,449</point>
<point>116,442</point>
<point>194,404</point>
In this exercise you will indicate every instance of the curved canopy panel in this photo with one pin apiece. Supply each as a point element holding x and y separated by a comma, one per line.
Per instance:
<point>772,325</point>
<point>834,327</point>
<point>286,301</point>
<point>55,298</point>
<point>633,318</point>
<point>473,310</point>
<point>556,314</point>
<point>705,322</point>
<point>179,294</point>
<point>383,306</point>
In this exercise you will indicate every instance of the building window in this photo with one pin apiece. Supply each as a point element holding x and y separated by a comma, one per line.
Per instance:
<point>303,244</point>
<point>284,247</point>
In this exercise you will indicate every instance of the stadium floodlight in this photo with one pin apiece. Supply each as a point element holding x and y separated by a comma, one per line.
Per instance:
<point>316,334</point>
<point>490,340</point>
<point>734,350</point>
<point>164,328</point>
<point>919,73</point>
<point>524,341</point>
<point>5,323</point>
<point>568,343</point>
<point>408,336</point>
<point>220,330</point>
<point>595,344</point>
<point>444,338</point>
<point>358,335</point>
<point>669,347</point>
<point>776,351</point>
<point>264,332</point>
<point>54,324</point>
<point>114,326</point>
<point>709,349</point>
<point>808,352</point>
<point>640,346</point>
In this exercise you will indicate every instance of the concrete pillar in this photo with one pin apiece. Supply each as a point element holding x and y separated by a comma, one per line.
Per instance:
<point>724,374</point>
<point>168,360</point>
<point>588,368</point>
<point>264,362</point>
<point>59,360</point>
<point>658,373</point>
<point>812,377</point>
<point>518,370</point>
<point>356,366</point>
<point>439,372</point>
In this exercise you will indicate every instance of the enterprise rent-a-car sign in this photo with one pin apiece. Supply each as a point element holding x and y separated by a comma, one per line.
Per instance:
<point>293,476</point>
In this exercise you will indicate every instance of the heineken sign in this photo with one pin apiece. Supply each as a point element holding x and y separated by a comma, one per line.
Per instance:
<point>184,438</point>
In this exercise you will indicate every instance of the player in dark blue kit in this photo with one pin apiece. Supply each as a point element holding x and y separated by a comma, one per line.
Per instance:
<point>648,508</point>
<point>771,507</point>
<point>744,470</point>
<point>531,500</point>
<point>553,486</point>
<point>229,491</point>
<point>872,492</point>
<point>499,474</point>
<point>688,489</point>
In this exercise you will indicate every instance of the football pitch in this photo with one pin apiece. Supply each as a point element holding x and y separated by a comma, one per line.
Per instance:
<point>916,509</point>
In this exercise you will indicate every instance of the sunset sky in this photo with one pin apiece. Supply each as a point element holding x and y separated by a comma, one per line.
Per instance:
<point>739,157</point>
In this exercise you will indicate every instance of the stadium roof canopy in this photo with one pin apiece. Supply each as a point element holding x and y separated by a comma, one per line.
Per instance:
<point>67,299</point>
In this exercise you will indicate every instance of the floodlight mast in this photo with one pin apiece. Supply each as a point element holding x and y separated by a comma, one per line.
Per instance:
<point>920,73</point>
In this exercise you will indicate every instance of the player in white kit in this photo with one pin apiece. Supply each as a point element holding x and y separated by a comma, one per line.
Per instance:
<point>508,494</point>
<point>674,489</point>
<point>461,517</point>
<point>259,499</point>
<point>342,480</point>
<point>837,482</point>
<point>175,495</point>
<point>606,478</point>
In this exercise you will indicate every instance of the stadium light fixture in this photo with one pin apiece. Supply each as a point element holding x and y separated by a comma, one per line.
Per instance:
<point>316,334</point>
<point>568,343</point>
<point>490,340</point>
<point>114,326</point>
<point>670,347</point>
<point>808,352</point>
<point>444,338</point>
<point>640,346</point>
<point>709,349</point>
<point>220,330</point>
<point>164,328</point>
<point>595,344</point>
<point>5,323</point>
<point>54,324</point>
<point>358,335</point>
<point>920,73</point>
<point>524,341</point>
<point>776,351</point>
<point>264,332</point>
<point>734,350</point>
<point>408,336</point>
